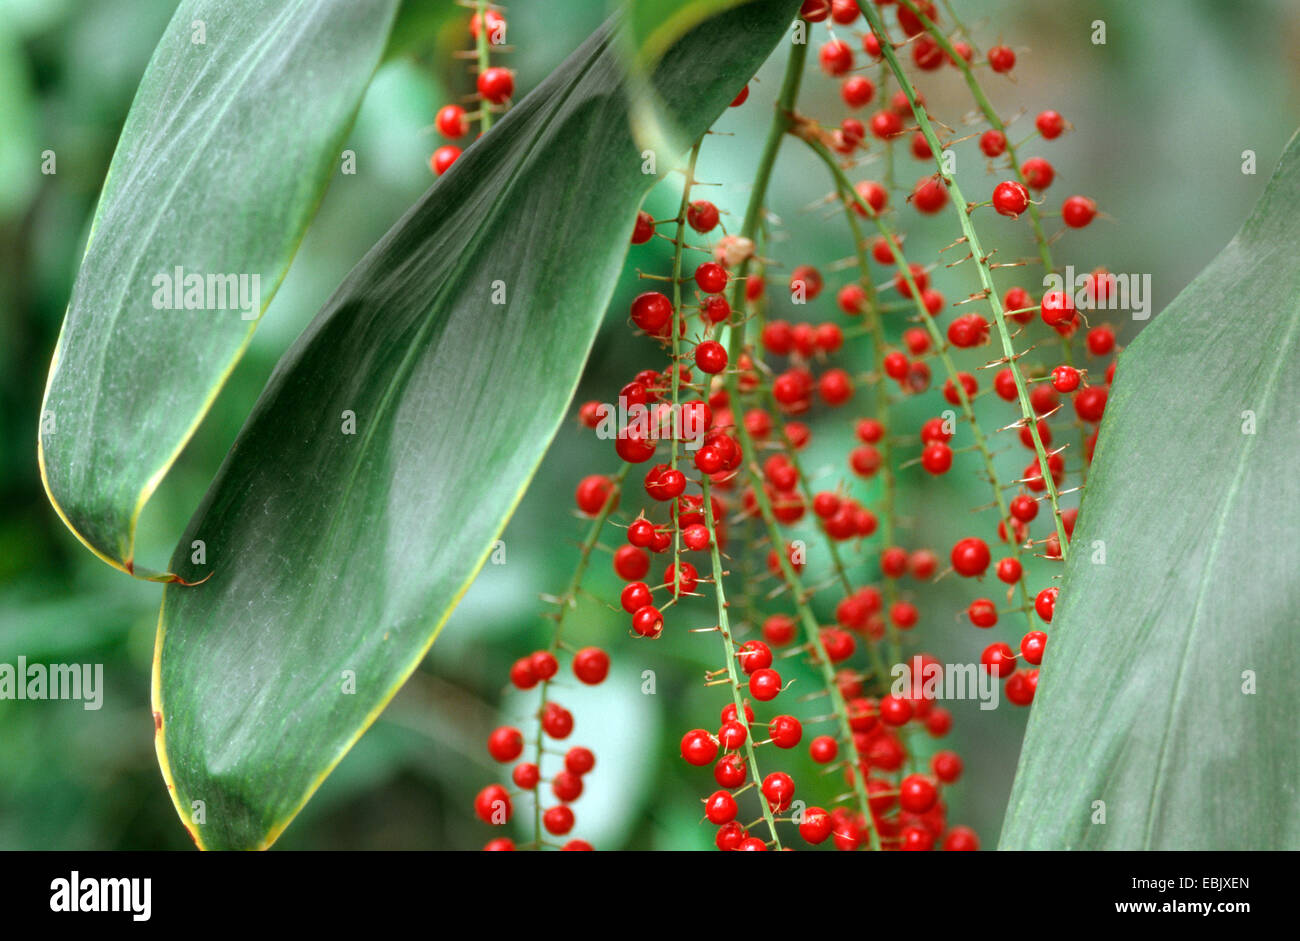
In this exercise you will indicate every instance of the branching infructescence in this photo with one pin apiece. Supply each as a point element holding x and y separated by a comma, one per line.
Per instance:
<point>723,414</point>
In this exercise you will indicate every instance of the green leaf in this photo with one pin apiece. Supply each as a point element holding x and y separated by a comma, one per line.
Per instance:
<point>457,344</point>
<point>220,167</point>
<point>1169,686</point>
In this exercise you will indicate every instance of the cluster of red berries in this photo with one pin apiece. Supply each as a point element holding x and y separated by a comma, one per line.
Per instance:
<point>494,86</point>
<point>494,804</point>
<point>718,429</point>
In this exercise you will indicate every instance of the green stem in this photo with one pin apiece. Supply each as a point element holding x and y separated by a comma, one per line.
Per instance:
<point>566,602</point>
<point>484,61</point>
<point>729,650</point>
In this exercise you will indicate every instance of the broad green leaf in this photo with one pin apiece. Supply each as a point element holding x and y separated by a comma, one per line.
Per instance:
<point>455,345</point>
<point>234,132</point>
<point>1169,690</point>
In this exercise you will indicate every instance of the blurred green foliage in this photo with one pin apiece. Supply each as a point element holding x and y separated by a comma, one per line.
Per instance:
<point>1163,112</point>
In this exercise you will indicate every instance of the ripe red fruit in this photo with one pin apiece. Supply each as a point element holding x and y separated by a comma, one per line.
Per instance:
<point>451,121</point>
<point>730,771</point>
<point>1021,687</point>
<point>1065,378</point>
<point>648,622</point>
<point>968,384</point>
<point>492,804</point>
<point>970,557</point>
<point>720,808</point>
<point>1001,59</point>
<point>982,612</point>
<point>946,766</point>
<point>857,91</point>
<point>894,710</point>
<point>917,794</point>
<point>711,277</point>
<point>993,143</point>
<point>544,664</point>
<point>652,311</point>
<point>1032,646</point>
<point>910,22</point>
<point>930,194</point>
<point>558,820</point>
<point>526,775</point>
<point>443,158</point>
<point>496,84</point>
<point>557,722</point>
<point>702,216</point>
<point>1045,603</point>
<point>1010,198</point>
<point>1101,341</point>
<point>764,685</point>
<point>873,194</point>
<point>999,658</point>
<point>1038,173</point>
<point>505,743</point>
<point>591,665</point>
<point>785,731</point>
<point>1057,307</point>
<point>1050,124</point>
<point>778,788</point>
<point>593,492</point>
<point>1090,403</point>
<point>808,279</point>
<point>522,674</point>
<point>1024,507</point>
<point>711,357</point>
<point>835,387</point>
<point>886,124</point>
<point>631,563</point>
<point>816,825</point>
<point>936,458</point>
<point>836,57</point>
<point>699,747</point>
<point>823,749</point>
<point>961,839</point>
<point>1078,211</point>
<point>778,630</point>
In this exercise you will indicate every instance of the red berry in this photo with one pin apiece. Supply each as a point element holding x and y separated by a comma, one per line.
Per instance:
<point>999,658</point>
<point>764,685</point>
<point>785,731</point>
<point>1010,198</point>
<point>558,820</point>
<point>711,277</point>
<point>857,91</point>
<point>720,808</point>
<point>702,216</point>
<point>699,747</point>
<point>993,143</point>
<point>1001,59</point>
<point>816,825</point>
<point>526,775</point>
<point>652,311</point>
<point>492,805</point>
<point>1032,646</point>
<point>936,458</point>
<point>778,788</point>
<point>505,743</point>
<point>894,710</point>
<point>1021,687</point>
<point>711,357</point>
<point>1045,603</point>
<point>1057,307</point>
<point>443,158</point>
<point>982,612</point>
<point>823,749</point>
<point>917,794</point>
<point>1065,378</point>
<point>946,766</point>
<point>1038,173</point>
<point>1050,124</point>
<point>496,84</point>
<point>451,121</point>
<point>593,492</point>
<point>648,622</point>
<point>1090,403</point>
<point>930,194</point>
<point>631,563</point>
<point>970,557</point>
<point>1078,211</point>
<point>836,57</point>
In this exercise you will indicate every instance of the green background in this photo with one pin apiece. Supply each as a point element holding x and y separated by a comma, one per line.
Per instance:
<point>1162,112</point>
